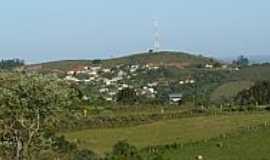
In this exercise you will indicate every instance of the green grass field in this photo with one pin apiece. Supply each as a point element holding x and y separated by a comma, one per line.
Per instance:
<point>165,132</point>
<point>252,145</point>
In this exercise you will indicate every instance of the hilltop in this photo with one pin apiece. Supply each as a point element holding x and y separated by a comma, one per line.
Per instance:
<point>176,59</point>
<point>179,59</point>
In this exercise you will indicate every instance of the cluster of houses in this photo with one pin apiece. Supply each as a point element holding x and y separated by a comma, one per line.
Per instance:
<point>111,80</point>
<point>108,81</point>
<point>224,67</point>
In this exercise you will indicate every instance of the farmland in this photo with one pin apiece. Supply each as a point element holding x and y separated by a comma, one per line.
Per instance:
<point>247,145</point>
<point>165,132</point>
<point>122,109</point>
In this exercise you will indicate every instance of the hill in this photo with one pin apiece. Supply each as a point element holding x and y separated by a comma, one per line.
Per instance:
<point>176,59</point>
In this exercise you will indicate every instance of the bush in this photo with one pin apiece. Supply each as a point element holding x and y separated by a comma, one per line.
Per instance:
<point>84,155</point>
<point>257,95</point>
<point>127,96</point>
<point>124,151</point>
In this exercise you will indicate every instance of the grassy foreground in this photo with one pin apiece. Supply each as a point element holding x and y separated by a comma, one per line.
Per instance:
<point>165,132</point>
<point>249,145</point>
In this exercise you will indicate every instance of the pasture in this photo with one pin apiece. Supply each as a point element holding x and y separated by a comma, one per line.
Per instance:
<point>183,130</point>
<point>247,145</point>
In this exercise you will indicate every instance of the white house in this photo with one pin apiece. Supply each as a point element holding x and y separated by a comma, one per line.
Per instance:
<point>192,81</point>
<point>175,98</point>
<point>210,66</point>
<point>71,72</point>
<point>181,82</point>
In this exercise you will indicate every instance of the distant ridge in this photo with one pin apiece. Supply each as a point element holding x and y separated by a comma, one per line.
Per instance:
<point>168,58</point>
<point>252,58</point>
<point>259,59</point>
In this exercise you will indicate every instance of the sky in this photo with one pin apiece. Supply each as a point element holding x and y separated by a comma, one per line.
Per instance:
<point>39,31</point>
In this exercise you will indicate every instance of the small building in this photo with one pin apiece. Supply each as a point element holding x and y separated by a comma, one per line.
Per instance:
<point>175,98</point>
<point>71,73</point>
<point>192,81</point>
<point>181,82</point>
<point>209,66</point>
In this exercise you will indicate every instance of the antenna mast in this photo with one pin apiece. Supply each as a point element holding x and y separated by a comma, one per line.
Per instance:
<point>157,36</point>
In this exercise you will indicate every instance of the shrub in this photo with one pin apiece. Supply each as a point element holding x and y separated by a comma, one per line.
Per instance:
<point>84,155</point>
<point>124,151</point>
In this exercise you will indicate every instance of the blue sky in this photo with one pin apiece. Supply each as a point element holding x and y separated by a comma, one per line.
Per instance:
<point>78,29</point>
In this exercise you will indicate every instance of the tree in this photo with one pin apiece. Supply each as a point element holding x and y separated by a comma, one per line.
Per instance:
<point>124,151</point>
<point>96,61</point>
<point>82,76</point>
<point>11,63</point>
<point>85,155</point>
<point>256,95</point>
<point>29,104</point>
<point>127,96</point>
<point>241,61</point>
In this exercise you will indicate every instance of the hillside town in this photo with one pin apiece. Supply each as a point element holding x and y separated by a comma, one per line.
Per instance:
<point>108,81</point>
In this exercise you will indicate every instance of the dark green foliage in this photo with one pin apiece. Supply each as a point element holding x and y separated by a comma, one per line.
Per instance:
<point>29,104</point>
<point>84,155</point>
<point>124,151</point>
<point>96,61</point>
<point>257,95</point>
<point>61,145</point>
<point>242,61</point>
<point>11,64</point>
<point>127,96</point>
<point>82,76</point>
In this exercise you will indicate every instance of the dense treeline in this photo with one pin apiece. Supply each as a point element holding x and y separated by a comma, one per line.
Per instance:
<point>11,64</point>
<point>259,94</point>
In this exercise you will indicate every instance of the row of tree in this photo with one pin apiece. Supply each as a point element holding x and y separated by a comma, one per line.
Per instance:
<point>241,61</point>
<point>11,64</point>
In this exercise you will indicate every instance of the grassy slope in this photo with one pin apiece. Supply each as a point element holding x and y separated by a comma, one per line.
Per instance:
<point>237,81</point>
<point>229,90</point>
<point>164,132</point>
<point>252,145</point>
<point>160,58</point>
<point>65,65</point>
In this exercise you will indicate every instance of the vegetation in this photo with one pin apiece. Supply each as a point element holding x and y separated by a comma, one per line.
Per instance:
<point>241,61</point>
<point>249,143</point>
<point>28,106</point>
<point>127,96</point>
<point>10,64</point>
<point>228,91</point>
<point>178,59</point>
<point>68,116</point>
<point>256,72</point>
<point>165,132</point>
<point>122,150</point>
<point>256,95</point>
